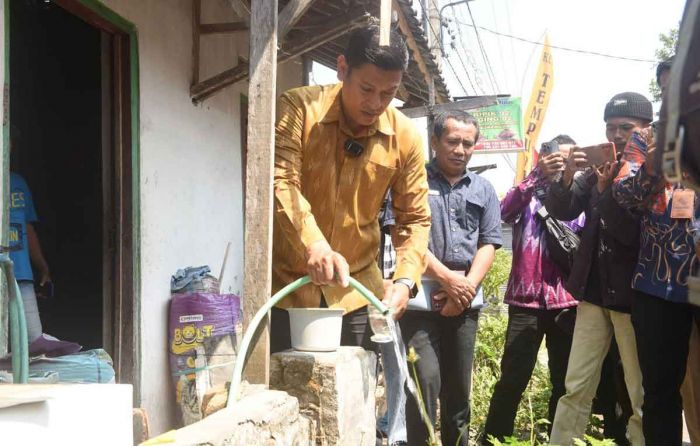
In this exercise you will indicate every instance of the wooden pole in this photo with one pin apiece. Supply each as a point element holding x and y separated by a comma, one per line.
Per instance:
<point>259,173</point>
<point>196,22</point>
<point>307,68</point>
<point>385,23</point>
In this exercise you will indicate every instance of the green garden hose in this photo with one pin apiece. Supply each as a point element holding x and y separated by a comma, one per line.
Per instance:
<point>18,324</point>
<point>262,312</point>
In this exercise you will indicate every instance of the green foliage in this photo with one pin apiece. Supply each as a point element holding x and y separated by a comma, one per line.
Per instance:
<point>490,341</point>
<point>509,441</point>
<point>669,43</point>
<point>497,276</point>
<point>412,358</point>
<point>593,442</point>
<point>488,351</point>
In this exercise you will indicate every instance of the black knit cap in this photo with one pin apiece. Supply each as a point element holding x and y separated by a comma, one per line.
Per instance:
<point>629,105</point>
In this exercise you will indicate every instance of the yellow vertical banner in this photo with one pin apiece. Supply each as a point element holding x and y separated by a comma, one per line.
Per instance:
<point>535,111</point>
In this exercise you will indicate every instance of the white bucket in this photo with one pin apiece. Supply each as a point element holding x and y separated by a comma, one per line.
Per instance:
<point>315,329</point>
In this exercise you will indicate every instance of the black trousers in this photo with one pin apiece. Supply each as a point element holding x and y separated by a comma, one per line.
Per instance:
<point>526,328</point>
<point>445,346</point>
<point>662,330</point>
<point>355,332</point>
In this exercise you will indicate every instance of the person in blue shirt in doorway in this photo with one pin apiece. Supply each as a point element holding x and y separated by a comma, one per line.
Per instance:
<point>25,250</point>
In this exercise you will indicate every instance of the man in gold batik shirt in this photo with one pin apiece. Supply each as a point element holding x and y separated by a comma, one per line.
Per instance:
<point>338,150</point>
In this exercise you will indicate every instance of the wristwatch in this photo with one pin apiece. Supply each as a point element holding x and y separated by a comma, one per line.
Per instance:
<point>412,288</point>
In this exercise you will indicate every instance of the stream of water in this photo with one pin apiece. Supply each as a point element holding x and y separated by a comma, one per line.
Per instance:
<point>400,352</point>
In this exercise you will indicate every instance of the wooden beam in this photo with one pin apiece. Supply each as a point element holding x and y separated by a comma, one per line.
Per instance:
<point>465,104</point>
<point>294,49</point>
<point>290,15</point>
<point>413,45</point>
<point>242,9</point>
<point>259,172</point>
<point>88,15</point>
<point>402,93</point>
<point>222,28</point>
<point>215,83</point>
<point>338,27</point>
<point>196,21</point>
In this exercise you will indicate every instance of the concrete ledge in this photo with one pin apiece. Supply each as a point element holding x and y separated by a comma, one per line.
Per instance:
<point>261,417</point>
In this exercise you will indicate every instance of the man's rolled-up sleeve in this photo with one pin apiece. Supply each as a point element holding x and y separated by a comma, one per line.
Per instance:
<point>490,223</point>
<point>410,233</point>
<point>292,210</point>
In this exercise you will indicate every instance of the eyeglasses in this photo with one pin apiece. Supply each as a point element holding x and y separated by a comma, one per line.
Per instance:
<point>353,148</point>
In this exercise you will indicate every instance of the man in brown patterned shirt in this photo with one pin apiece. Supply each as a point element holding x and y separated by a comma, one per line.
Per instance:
<point>338,149</point>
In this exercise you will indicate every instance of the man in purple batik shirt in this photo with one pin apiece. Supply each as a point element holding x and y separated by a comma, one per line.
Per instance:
<point>538,301</point>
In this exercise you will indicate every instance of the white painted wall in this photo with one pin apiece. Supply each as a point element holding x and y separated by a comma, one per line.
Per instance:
<point>190,174</point>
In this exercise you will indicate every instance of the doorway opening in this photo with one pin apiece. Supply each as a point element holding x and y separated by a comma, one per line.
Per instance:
<point>70,127</point>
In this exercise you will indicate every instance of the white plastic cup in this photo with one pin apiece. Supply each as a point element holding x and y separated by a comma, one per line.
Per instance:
<point>315,329</point>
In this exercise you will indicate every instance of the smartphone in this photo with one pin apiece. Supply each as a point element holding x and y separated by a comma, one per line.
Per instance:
<point>44,291</point>
<point>654,129</point>
<point>599,154</point>
<point>548,148</point>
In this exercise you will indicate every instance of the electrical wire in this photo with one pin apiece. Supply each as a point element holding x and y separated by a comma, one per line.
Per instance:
<point>527,65</point>
<point>461,60</point>
<point>437,38</point>
<point>489,68</point>
<point>512,47</point>
<point>500,50</point>
<point>466,71</point>
<point>509,162</point>
<point>463,42</point>
<point>574,50</point>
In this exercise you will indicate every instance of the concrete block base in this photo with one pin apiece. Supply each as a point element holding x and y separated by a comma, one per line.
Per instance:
<point>336,391</point>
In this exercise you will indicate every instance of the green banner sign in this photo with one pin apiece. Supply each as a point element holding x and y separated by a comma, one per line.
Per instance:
<point>501,127</point>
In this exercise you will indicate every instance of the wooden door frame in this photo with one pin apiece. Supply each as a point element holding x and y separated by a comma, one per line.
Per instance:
<point>5,174</point>
<point>122,257</point>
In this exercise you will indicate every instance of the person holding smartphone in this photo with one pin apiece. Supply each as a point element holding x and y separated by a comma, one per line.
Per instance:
<point>25,251</point>
<point>662,316</point>
<point>601,274</point>
<point>538,302</point>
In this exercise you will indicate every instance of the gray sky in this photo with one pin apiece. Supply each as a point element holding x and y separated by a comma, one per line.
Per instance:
<point>582,83</point>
